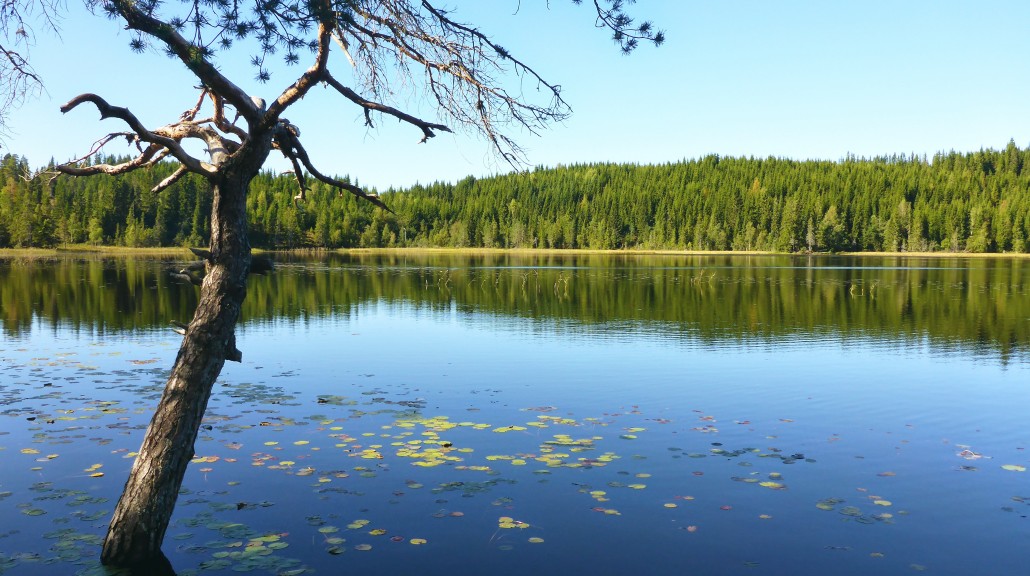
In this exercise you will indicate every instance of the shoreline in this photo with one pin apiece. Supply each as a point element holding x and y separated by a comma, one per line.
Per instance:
<point>182,251</point>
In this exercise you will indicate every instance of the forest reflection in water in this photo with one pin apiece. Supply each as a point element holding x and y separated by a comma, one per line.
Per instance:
<point>976,305</point>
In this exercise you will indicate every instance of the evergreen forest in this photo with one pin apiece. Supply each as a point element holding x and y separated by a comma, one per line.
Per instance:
<point>954,202</point>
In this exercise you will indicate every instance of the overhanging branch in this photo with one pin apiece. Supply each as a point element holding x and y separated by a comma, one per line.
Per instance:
<point>501,52</point>
<point>171,179</point>
<point>190,54</point>
<point>326,25</point>
<point>426,127</point>
<point>290,146</point>
<point>298,174</point>
<point>138,162</point>
<point>624,33</point>
<point>156,140</point>
<point>460,68</point>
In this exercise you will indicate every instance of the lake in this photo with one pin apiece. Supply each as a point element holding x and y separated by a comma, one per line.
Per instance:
<point>536,414</point>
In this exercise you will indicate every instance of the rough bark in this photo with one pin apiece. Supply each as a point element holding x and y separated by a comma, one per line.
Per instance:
<point>141,518</point>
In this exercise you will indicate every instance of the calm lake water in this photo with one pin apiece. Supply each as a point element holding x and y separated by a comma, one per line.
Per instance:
<point>514,414</point>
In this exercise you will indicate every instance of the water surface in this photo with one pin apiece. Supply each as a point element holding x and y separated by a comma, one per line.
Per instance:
<point>544,414</point>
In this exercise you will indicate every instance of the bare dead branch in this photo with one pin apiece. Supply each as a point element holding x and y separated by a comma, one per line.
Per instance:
<point>191,114</point>
<point>72,168</point>
<point>501,52</point>
<point>202,253</point>
<point>154,138</point>
<point>341,41</point>
<point>219,118</point>
<point>178,327</point>
<point>459,67</point>
<point>291,146</point>
<point>232,353</point>
<point>17,64</point>
<point>186,275</point>
<point>99,144</point>
<point>426,127</point>
<point>18,80</point>
<point>161,155</point>
<point>298,174</point>
<point>171,179</point>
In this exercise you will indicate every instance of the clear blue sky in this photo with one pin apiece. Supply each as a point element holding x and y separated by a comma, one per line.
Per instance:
<point>798,79</point>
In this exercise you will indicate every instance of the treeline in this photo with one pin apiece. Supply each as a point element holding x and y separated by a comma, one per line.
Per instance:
<point>971,202</point>
<point>120,210</point>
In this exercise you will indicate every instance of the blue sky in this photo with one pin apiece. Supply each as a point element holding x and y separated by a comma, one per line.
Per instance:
<point>797,79</point>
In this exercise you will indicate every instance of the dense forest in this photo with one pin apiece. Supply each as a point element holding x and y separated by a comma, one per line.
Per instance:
<point>971,202</point>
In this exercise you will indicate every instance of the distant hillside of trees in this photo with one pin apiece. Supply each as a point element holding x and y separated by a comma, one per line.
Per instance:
<point>971,202</point>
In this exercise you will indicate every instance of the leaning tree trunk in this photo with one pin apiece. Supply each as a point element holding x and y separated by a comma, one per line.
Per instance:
<point>141,518</point>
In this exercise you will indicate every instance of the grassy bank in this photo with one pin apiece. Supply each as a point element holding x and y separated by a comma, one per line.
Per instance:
<point>642,252</point>
<point>84,249</point>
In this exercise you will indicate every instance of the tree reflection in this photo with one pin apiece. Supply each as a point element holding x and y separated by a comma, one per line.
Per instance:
<point>976,304</point>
